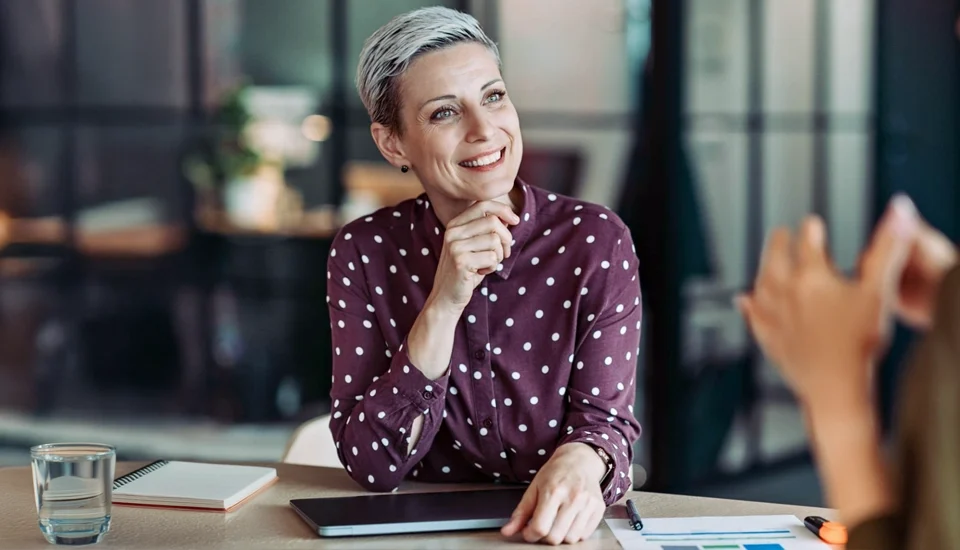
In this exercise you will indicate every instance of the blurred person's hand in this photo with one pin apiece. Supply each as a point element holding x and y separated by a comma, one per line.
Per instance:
<point>825,331</point>
<point>822,329</point>
<point>931,256</point>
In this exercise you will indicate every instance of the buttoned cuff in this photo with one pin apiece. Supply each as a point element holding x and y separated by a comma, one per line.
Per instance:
<point>410,383</point>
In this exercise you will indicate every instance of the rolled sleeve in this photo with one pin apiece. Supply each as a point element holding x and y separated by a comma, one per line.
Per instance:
<point>377,393</point>
<point>602,387</point>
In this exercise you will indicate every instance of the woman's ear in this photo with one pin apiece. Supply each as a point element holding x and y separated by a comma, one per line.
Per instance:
<point>389,144</point>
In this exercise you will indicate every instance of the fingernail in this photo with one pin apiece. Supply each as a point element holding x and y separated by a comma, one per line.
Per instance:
<point>818,232</point>
<point>904,215</point>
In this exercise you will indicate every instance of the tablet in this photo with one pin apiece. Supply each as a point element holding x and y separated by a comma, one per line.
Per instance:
<point>394,513</point>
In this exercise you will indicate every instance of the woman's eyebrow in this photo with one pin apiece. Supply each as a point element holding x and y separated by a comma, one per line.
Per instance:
<point>449,96</point>
<point>491,83</point>
<point>439,98</point>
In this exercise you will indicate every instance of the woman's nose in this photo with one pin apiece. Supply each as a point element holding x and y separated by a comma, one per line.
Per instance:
<point>481,127</point>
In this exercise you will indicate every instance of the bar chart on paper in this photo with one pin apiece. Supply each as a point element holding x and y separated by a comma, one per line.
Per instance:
<point>717,533</point>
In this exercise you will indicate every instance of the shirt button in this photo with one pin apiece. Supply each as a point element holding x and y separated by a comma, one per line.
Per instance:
<point>488,423</point>
<point>427,394</point>
<point>480,354</point>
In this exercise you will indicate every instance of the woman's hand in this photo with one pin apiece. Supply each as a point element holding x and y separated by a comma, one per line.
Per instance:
<point>475,242</point>
<point>822,329</point>
<point>564,502</point>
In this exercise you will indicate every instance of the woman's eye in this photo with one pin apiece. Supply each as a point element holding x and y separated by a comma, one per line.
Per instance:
<point>442,114</point>
<point>494,97</point>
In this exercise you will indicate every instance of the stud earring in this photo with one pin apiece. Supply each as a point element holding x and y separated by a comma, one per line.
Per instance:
<point>404,168</point>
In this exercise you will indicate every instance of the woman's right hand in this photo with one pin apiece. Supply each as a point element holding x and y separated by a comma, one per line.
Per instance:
<point>474,244</point>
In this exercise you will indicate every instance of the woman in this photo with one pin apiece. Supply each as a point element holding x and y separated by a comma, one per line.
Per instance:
<point>487,330</point>
<point>826,333</point>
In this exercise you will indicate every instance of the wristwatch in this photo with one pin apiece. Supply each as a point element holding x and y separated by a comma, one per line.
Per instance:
<point>609,462</point>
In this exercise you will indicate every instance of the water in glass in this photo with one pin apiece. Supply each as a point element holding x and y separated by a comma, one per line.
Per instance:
<point>73,489</point>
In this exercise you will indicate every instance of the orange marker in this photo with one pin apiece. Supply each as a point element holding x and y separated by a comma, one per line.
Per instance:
<point>829,531</point>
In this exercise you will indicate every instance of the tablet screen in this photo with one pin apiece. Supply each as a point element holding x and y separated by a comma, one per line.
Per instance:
<point>409,508</point>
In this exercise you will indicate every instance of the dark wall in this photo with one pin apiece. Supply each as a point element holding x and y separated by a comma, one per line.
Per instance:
<point>918,138</point>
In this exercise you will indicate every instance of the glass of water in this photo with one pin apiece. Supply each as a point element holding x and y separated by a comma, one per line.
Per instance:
<point>73,484</point>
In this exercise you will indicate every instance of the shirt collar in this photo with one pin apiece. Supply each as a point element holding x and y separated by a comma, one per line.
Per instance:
<point>432,230</point>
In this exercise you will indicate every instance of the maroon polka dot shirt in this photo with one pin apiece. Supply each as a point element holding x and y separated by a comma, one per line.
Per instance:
<point>545,353</point>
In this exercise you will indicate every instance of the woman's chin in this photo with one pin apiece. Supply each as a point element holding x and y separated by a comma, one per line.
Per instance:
<point>489,191</point>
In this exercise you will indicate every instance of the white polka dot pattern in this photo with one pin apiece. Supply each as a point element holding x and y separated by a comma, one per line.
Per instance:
<point>542,355</point>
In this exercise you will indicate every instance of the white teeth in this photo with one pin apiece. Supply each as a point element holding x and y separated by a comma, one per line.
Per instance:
<point>482,161</point>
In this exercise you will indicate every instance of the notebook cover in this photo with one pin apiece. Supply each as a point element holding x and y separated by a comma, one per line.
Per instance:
<point>202,484</point>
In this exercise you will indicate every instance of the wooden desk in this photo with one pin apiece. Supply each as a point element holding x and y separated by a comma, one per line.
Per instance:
<point>269,522</point>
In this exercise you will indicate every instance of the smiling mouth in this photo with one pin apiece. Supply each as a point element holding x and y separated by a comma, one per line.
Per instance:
<point>484,161</point>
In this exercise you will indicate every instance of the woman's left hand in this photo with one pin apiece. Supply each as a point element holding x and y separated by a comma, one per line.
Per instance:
<point>563,504</point>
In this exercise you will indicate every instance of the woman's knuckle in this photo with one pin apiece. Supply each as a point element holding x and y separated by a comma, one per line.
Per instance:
<point>597,501</point>
<point>557,491</point>
<point>538,529</point>
<point>553,539</point>
<point>484,223</point>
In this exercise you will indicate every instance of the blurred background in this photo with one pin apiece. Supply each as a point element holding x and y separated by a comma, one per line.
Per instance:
<point>172,173</point>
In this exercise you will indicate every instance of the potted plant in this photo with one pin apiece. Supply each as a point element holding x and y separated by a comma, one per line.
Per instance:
<point>223,155</point>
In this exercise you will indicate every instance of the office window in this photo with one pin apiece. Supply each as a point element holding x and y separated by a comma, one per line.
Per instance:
<point>30,165</point>
<point>31,34</point>
<point>120,164</point>
<point>777,125</point>
<point>132,53</point>
<point>287,43</point>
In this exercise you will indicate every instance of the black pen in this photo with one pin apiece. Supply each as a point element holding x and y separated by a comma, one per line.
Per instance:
<point>634,515</point>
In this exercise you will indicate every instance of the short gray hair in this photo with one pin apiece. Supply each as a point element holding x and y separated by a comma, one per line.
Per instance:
<point>388,52</point>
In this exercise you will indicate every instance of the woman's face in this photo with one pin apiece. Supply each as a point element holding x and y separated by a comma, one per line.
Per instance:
<point>461,133</point>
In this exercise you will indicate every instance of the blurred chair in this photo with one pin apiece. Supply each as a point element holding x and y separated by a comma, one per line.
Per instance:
<point>312,445</point>
<point>557,170</point>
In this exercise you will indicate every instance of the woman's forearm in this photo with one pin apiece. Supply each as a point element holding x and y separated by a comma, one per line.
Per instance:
<point>430,346</point>
<point>847,446</point>
<point>430,340</point>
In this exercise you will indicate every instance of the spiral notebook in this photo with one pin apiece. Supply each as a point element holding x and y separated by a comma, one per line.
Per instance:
<point>191,485</point>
